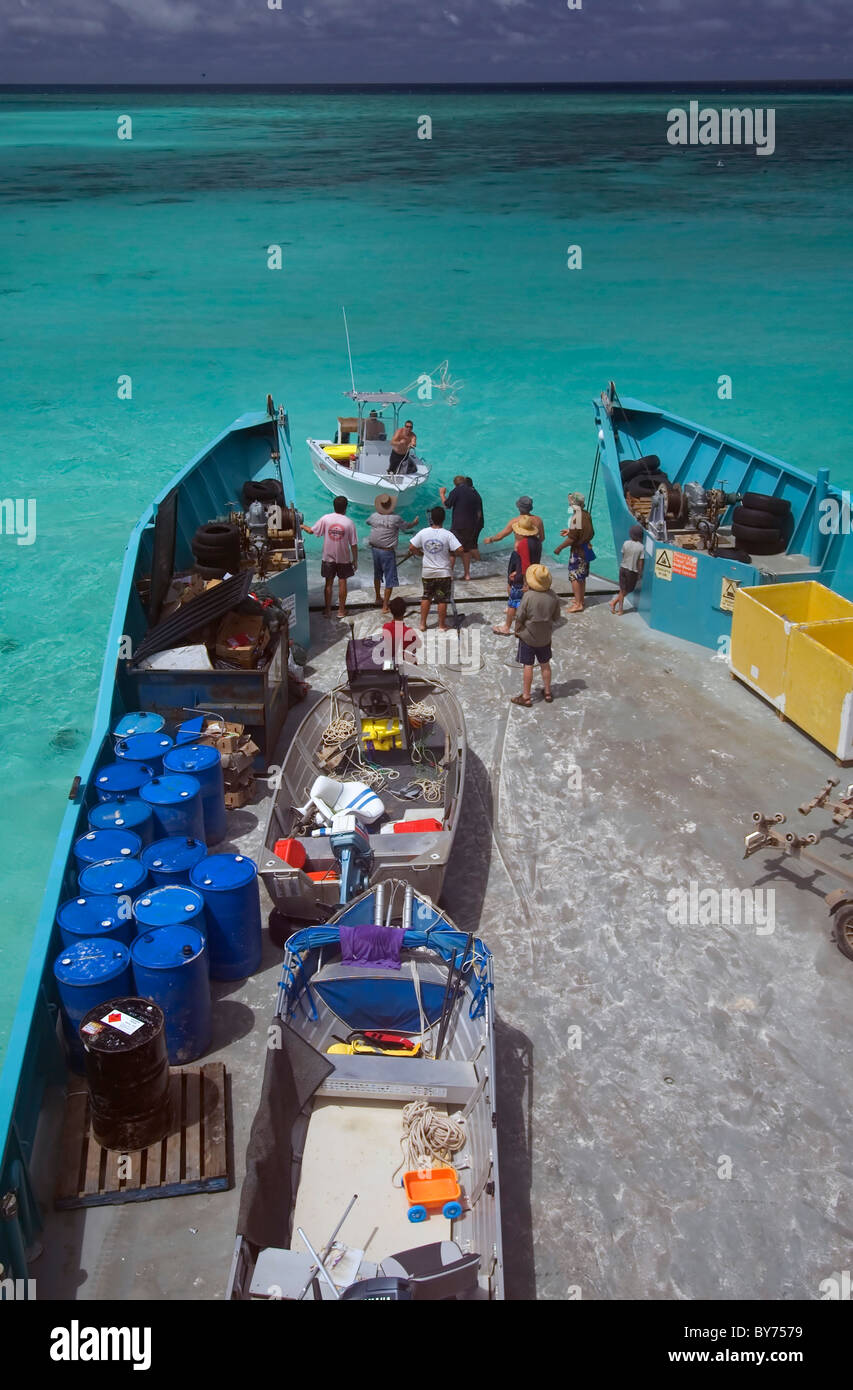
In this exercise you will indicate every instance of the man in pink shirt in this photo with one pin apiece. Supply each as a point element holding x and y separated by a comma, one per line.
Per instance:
<point>340,553</point>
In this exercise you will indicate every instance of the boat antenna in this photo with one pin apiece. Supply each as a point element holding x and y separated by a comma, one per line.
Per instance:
<point>349,353</point>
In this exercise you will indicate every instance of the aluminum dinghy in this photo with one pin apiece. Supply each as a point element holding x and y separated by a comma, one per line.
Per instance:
<point>330,1126</point>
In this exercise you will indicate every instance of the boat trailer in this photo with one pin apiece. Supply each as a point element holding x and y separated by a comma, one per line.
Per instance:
<point>766,836</point>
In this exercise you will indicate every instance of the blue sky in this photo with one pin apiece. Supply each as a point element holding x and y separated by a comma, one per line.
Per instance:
<point>400,41</point>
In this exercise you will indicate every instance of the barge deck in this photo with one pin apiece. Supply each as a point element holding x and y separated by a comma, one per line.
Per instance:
<point>674,1099</point>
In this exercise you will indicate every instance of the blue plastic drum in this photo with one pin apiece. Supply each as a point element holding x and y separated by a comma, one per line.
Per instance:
<point>141,721</point>
<point>114,876</point>
<point>229,885</point>
<point>170,861</point>
<point>175,802</point>
<point>170,967</point>
<point>125,813</point>
<point>104,915</point>
<point>97,845</point>
<point>144,748</point>
<point>121,779</point>
<point>205,764</point>
<point>169,905</point>
<point>89,973</point>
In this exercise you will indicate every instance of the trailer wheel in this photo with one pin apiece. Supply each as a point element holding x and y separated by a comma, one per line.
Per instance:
<point>844,931</point>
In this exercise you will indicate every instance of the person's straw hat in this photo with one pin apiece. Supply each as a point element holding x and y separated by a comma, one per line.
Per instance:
<point>538,577</point>
<point>385,502</point>
<point>525,526</point>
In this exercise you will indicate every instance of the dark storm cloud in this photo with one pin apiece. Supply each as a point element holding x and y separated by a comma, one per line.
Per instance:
<point>401,41</point>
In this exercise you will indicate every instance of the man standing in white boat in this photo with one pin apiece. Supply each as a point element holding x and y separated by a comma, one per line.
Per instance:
<point>402,441</point>
<point>340,553</point>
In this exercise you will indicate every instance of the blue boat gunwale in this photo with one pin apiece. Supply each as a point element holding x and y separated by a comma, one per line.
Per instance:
<point>33,1021</point>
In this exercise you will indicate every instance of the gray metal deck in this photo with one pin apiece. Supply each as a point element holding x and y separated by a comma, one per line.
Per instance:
<point>635,1056</point>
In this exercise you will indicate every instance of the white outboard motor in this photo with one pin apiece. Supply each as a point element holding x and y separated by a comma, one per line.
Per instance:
<point>331,798</point>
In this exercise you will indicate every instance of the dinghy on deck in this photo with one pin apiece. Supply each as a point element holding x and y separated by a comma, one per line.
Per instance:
<point>400,731</point>
<point>330,1126</point>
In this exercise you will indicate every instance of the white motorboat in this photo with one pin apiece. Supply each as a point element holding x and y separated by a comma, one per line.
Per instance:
<point>357,463</point>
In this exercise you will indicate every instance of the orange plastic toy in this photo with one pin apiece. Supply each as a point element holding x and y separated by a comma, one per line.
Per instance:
<point>431,1189</point>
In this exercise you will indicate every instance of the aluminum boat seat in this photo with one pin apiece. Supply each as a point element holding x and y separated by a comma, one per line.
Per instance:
<point>437,1271</point>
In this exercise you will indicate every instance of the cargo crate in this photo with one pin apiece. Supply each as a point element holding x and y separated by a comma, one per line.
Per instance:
<point>762,623</point>
<point>818,695</point>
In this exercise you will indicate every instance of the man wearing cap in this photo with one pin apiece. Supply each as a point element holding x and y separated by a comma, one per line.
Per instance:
<point>578,535</point>
<point>385,527</point>
<point>525,507</point>
<point>534,623</point>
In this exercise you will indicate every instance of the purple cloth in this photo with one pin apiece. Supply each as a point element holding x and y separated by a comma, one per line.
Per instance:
<point>370,944</point>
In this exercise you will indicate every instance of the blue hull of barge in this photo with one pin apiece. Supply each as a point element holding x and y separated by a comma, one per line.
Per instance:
<point>689,597</point>
<point>34,1059</point>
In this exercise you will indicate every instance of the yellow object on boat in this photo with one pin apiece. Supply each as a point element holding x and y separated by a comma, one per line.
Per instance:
<point>340,452</point>
<point>819,684</point>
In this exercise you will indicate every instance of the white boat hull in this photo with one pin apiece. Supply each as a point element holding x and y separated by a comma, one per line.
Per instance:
<point>360,487</point>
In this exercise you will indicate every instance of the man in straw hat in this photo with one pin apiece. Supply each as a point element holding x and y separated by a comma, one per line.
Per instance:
<point>525,508</point>
<point>385,527</point>
<point>534,624</point>
<point>526,551</point>
<point>578,535</point>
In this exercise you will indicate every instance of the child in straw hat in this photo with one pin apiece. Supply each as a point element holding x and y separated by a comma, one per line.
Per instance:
<point>534,624</point>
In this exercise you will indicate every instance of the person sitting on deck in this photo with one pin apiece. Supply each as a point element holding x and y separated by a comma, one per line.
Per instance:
<point>527,552</point>
<point>578,536</point>
<point>402,441</point>
<point>403,638</point>
<point>525,507</point>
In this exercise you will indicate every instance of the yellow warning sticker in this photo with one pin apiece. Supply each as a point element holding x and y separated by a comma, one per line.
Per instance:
<point>663,564</point>
<point>727,595</point>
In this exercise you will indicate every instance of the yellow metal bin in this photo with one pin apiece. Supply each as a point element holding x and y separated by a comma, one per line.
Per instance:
<point>818,695</point>
<point>763,621</point>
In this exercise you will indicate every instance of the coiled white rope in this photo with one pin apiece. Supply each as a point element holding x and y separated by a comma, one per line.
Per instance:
<point>423,711</point>
<point>429,1138</point>
<point>339,730</point>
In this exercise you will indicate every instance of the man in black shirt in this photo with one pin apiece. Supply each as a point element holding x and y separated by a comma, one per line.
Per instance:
<point>467,512</point>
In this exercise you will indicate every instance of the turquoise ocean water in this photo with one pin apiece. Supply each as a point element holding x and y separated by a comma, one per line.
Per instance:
<point>149,257</point>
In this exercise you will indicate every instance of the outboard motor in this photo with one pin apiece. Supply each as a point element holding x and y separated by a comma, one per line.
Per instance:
<point>351,848</point>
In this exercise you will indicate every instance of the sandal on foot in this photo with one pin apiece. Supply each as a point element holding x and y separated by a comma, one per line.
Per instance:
<point>549,699</point>
<point>520,700</point>
<point>504,631</point>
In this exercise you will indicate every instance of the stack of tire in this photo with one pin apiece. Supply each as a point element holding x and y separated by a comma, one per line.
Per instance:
<point>216,548</point>
<point>761,524</point>
<point>264,490</point>
<point>642,477</point>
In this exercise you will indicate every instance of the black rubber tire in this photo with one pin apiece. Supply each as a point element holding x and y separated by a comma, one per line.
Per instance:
<point>265,490</point>
<point>761,502</point>
<point>217,544</point>
<point>646,485</point>
<point>208,571</point>
<point>743,557</point>
<point>843,923</point>
<point>749,516</point>
<point>758,542</point>
<point>633,468</point>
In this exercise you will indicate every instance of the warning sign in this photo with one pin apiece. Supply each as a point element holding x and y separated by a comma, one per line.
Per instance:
<point>685,564</point>
<point>125,1023</point>
<point>727,595</point>
<point>663,564</point>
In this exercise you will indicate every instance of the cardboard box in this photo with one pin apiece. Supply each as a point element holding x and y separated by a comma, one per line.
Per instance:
<point>241,639</point>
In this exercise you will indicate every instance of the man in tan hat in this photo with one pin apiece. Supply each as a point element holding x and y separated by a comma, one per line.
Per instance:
<point>527,550</point>
<point>534,624</point>
<point>385,527</point>
<point>578,535</point>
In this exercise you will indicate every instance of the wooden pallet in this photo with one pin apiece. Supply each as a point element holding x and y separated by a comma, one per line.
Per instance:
<point>192,1158</point>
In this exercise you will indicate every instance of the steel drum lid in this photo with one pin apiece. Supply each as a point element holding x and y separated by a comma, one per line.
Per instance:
<point>170,790</point>
<point>123,813</point>
<point>174,854</point>
<point>98,1034</point>
<point>139,748</point>
<point>193,757</point>
<point>102,909</point>
<point>167,905</point>
<point>98,845</point>
<point>141,721</point>
<point>120,777</point>
<point>113,876</point>
<point>167,948</point>
<point>221,873</point>
<point>91,961</point>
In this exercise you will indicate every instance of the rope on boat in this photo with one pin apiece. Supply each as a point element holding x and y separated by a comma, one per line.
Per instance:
<point>429,1139</point>
<point>423,711</point>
